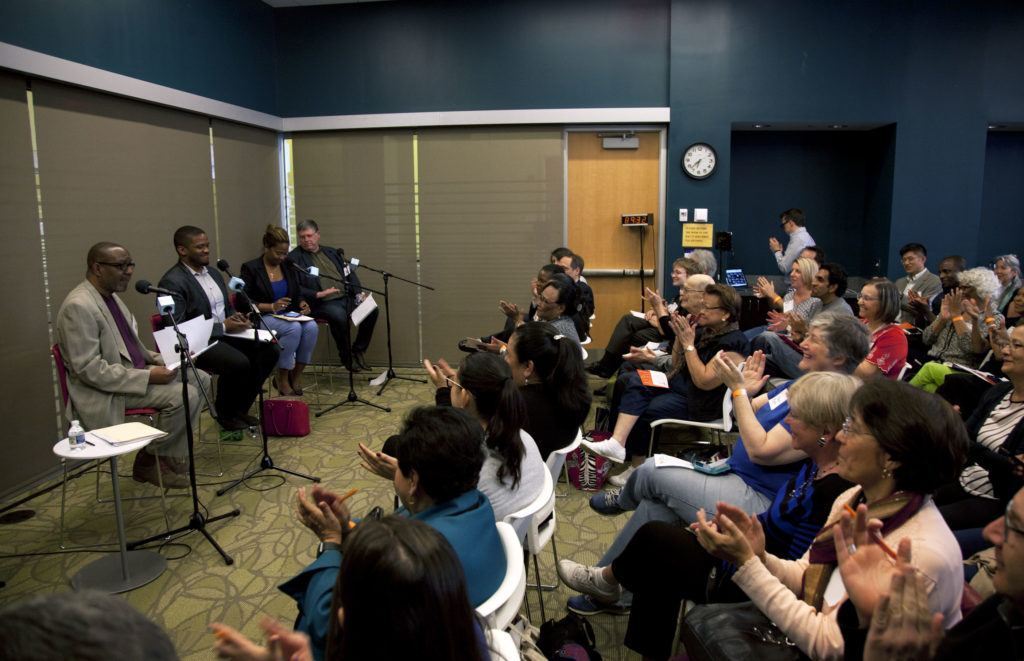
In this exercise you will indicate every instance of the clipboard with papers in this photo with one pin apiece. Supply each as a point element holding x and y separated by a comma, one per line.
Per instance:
<point>196,330</point>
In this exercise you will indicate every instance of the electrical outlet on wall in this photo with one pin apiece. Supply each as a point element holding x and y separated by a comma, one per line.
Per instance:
<point>683,215</point>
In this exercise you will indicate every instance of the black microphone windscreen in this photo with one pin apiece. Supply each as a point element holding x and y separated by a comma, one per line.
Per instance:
<point>222,264</point>
<point>142,286</point>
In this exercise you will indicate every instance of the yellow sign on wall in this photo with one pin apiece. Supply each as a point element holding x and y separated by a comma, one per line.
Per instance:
<point>698,235</point>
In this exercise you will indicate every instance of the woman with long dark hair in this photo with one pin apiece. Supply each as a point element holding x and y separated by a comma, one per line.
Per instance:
<point>513,470</point>
<point>400,594</point>
<point>548,368</point>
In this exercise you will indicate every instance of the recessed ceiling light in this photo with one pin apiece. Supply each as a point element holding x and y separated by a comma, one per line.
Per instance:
<point>762,126</point>
<point>837,126</point>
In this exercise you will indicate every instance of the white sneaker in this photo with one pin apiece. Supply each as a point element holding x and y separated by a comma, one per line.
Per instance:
<point>608,448</point>
<point>620,479</point>
<point>588,581</point>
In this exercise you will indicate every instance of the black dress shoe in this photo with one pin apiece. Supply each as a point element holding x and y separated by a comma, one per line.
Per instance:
<point>359,359</point>
<point>351,366</point>
<point>597,369</point>
<point>251,420</point>
<point>232,423</point>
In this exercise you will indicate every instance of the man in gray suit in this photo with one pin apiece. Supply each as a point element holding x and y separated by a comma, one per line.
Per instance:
<point>108,369</point>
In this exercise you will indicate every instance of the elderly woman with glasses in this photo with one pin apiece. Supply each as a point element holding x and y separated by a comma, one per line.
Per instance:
<point>1007,269</point>
<point>898,445</point>
<point>960,333</point>
<point>879,302</point>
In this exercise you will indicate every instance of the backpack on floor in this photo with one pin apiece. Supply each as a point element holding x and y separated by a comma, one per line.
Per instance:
<point>571,639</point>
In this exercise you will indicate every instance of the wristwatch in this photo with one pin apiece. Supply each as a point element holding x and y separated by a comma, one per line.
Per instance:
<point>327,546</point>
<point>689,347</point>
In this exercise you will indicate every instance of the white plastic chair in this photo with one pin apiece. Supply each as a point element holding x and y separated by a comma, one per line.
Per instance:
<point>903,370</point>
<point>541,530</point>
<point>556,460</point>
<point>501,607</point>
<point>723,424</point>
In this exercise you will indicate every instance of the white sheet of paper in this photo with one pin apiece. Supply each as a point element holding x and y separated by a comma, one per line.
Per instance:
<point>196,330</point>
<point>662,460</point>
<point>835,590</point>
<point>366,307</point>
<point>379,379</point>
<point>660,348</point>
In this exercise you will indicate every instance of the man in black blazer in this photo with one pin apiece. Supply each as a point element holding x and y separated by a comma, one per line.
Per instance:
<point>242,364</point>
<point>334,300</point>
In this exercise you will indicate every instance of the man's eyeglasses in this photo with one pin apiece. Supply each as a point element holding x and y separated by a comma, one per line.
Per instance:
<point>784,223</point>
<point>121,266</point>
<point>1006,523</point>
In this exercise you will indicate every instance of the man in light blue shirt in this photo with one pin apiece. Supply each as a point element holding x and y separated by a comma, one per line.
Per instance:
<point>799,238</point>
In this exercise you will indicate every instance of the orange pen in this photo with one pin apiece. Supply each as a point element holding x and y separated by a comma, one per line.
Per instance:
<point>347,495</point>
<point>878,538</point>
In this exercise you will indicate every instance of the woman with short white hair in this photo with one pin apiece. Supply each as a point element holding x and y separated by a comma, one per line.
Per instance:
<point>1007,269</point>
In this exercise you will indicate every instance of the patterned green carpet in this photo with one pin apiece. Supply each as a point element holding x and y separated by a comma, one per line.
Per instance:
<point>266,542</point>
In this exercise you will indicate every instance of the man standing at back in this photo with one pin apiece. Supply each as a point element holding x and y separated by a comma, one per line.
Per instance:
<point>242,364</point>
<point>799,239</point>
<point>917,279</point>
<point>336,295</point>
<point>108,369</point>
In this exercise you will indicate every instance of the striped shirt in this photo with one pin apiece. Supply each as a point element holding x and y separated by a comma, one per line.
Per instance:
<point>992,434</point>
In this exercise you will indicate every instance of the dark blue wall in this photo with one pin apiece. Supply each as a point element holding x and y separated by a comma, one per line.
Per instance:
<point>939,73</point>
<point>841,179</point>
<point>487,55</point>
<point>936,71</point>
<point>222,49</point>
<point>1002,211</point>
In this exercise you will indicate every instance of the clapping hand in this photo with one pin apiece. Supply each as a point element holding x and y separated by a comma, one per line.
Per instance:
<point>777,321</point>
<point>732,535</point>
<point>797,325</point>
<point>860,557</point>
<point>328,517</point>
<point>510,310</point>
<point>639,356</point>
<point>956,298</point>
<point>918,303</point>
<point>440,374</point>
<point>283,644</point>
<point>764,287</point>
<point>378,463</point>
<point>774,245</point>
<point>727,371</point>
<point>684,328</point>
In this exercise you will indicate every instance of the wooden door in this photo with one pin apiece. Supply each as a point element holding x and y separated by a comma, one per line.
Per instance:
<point>604,184</point>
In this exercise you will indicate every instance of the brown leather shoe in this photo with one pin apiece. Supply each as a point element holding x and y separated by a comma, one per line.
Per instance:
<point>146,467</point>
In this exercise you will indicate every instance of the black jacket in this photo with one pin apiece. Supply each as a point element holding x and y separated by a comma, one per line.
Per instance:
<point>192,300</point>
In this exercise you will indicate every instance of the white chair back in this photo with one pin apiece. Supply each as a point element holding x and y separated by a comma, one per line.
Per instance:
<point>556,459</point>
<point>501,607</point>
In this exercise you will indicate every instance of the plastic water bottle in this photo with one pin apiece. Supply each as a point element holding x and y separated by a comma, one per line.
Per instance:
<point>76,436</point>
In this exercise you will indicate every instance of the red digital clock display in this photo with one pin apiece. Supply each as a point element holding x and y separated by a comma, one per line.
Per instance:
<point>637,219</point>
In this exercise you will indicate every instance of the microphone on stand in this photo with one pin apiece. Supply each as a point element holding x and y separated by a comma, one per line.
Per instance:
<point>234,284</point>
<point>146,287</point>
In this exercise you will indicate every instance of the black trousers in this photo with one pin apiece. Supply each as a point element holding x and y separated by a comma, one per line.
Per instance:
<point>662,565</point>
<point>629,332</point>
<point>336,313</point>
<point>242,365</point>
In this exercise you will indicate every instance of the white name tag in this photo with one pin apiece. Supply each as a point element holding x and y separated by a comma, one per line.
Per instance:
<point>787,306</point>
<point>346,271</point>
<point>778,400</point>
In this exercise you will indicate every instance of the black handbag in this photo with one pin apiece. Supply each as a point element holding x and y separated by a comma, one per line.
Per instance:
<point>735,631</point>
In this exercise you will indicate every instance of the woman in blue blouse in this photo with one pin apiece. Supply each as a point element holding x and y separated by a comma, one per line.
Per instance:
<point>275,289</point>
<point>437,460</point>
<point>664,563</point>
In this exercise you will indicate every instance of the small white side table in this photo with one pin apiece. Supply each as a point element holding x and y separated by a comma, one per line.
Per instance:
<point>129,569</point>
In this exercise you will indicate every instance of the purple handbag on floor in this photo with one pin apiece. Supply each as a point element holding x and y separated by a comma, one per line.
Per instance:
<point>286,417</point>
